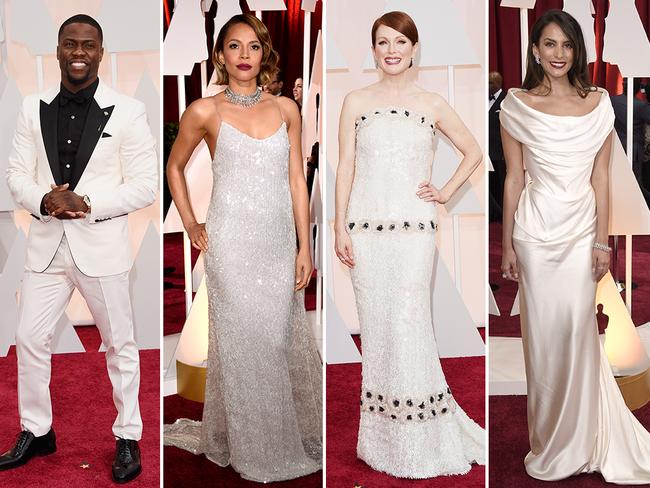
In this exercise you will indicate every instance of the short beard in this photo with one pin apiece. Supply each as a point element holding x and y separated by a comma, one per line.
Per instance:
<point>77,81</point>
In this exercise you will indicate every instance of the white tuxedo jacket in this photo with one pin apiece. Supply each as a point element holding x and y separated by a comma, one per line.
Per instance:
<point>116,166</point>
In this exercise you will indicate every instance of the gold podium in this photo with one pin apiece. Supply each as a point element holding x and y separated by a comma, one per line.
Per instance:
<point>190,381</point>
<point>635,389</point>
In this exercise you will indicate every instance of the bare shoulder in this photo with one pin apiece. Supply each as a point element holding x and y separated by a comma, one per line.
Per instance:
<point>288,107</point>
<point>202,110</point>
<point>357,100</point>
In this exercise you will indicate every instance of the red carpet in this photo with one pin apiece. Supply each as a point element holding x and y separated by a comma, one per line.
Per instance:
<point>507,326</point>
<point>187,470</point>
<point>466,377</point>
<point>509,446</point>
<point>83,416</point>
<point>174,295</point>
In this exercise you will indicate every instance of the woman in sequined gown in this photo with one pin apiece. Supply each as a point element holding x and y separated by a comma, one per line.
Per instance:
<point>262,411</point>
<point>557,136</point>
<point>385,227</point>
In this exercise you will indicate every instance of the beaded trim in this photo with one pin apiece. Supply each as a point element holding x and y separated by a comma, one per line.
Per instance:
<point>401,112</point>
<point>408,409</point>
<point>388,226</point>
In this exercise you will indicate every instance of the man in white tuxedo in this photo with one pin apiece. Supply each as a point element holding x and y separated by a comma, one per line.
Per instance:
<point>83,157</point>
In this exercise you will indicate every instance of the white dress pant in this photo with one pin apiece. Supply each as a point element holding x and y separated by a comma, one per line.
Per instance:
<point>43,299</point>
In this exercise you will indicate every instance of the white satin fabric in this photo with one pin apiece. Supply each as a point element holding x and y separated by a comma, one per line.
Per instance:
<point>577,419</point>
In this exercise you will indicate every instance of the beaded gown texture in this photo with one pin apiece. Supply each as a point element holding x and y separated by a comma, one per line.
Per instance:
<point>263,400</point>
<point>577,419</point>
<point>410,424</point>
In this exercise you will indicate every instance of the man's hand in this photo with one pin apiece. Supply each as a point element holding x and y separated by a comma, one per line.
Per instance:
<point>64,204</point>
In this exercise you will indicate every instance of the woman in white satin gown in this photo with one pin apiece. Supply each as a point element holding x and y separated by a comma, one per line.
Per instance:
<point>385,226</point>
<point>557,136</point>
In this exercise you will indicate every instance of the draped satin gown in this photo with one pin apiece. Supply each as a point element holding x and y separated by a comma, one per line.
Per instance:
<point>411,425</point>
<point>263,405</point>
<point>577,419</point>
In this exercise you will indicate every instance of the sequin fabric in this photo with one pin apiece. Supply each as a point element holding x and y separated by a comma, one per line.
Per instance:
<point>392,284</point>
<point>263,405</point>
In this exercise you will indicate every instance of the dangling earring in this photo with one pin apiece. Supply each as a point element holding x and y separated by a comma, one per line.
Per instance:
<point>537,60</point>
<point>411,65</point>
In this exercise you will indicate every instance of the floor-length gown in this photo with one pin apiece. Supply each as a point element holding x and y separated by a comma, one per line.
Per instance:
<point>577,419</point>
<point>410,424</point>
<point>263,399</point>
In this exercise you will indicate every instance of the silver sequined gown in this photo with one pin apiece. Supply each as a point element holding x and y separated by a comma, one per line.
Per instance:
<point>263,405</point>
<point>410,424</point>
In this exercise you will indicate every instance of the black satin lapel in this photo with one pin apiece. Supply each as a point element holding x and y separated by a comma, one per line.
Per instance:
<point>95,122</point>
<point>49,114</point>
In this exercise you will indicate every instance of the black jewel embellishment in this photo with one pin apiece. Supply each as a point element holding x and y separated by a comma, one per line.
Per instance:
<point>393,417</point>
<point>440,395</point>
<point>409,403</point>
<point>421,405</point>
<point>396,403</point>
<point>409,417</point>
<point>431,399</point>
<point>421,416</point>
<point>432,126</point>
<point>393,111</point>
<point>368,394</point>
<point>361,402</point>
<point>421,226</point>
<point>381,409</point>
<point>365,225</point>
<point>433,412</point>
<point>351,225</point>
<point>377,112</point>
<point>448,390</point>
<point>363,117</point>
<point>380,227</point>
<point>380,398</point>
<point>406,225</point>
<point>422,121</point>
<point>433,226</point>
<point>406,112</point>
<point>391,227</point>
<point>444,410</point>
<point>371,408</point>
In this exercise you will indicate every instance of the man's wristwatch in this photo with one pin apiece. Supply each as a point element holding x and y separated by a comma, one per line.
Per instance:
<point>87,202</point>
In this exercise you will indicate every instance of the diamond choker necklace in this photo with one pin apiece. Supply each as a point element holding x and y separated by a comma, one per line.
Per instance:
<point>244,100</point>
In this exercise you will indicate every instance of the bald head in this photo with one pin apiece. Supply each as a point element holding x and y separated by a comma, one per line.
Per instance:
<point>495,82</point>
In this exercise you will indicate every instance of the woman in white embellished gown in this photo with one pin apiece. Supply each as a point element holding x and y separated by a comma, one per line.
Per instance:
<point>385,232</point>
<point>263,407</point>
<point>557,136</point>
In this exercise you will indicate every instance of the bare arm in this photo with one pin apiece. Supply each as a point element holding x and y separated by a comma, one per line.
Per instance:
<point>512,188</point>
<point>344,179</point>
<point>600,184</point>
<point>192,129</point>
<point>299,194</point>
<point>453,127</point>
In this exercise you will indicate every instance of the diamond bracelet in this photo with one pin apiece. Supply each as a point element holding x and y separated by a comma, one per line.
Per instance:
<point>602,247</point>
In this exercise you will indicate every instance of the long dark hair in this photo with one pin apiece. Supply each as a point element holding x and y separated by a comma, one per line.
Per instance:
<point>579,72</point>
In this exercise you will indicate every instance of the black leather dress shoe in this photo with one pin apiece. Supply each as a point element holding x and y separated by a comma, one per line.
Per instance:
<point>27,446</point>
<point>127,461</point>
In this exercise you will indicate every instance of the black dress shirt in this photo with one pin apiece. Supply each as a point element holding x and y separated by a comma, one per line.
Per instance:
<point>73,110</point>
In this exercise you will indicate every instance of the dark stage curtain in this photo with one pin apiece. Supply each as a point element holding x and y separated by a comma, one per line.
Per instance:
<point>505,51</point>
